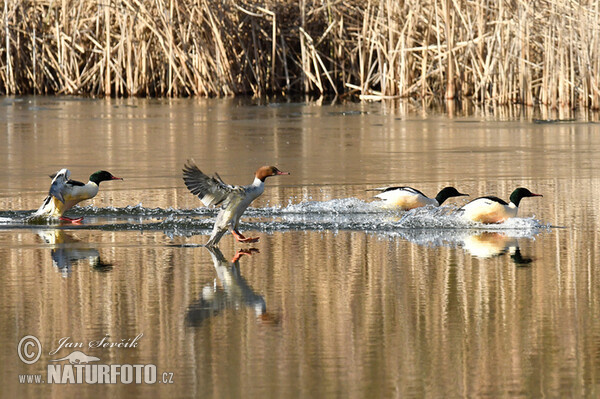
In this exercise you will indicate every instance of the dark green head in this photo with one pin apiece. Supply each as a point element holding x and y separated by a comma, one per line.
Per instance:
<point>520,193</point>
<point>101,176</point>
<point>446,193</point>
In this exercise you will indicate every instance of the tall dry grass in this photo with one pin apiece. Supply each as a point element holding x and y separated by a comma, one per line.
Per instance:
<point>517,51</point>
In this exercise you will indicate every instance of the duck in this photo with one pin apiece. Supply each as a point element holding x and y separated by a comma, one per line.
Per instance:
<point>65,193</point>
<point>491,209</point>
<point>234,200</point>
<point>407,198</point>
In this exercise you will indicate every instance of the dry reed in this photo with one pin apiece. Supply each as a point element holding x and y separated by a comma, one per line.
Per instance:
<point>502,51</point>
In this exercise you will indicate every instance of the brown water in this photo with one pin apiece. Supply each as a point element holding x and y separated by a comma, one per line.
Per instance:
<point>342,299</point>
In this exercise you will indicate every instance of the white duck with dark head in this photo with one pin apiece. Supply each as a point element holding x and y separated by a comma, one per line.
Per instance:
<point>491,209</point>
<point>65,193</point>
<point>407,198</point>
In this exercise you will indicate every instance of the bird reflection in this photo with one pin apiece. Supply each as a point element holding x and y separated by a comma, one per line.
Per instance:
<point>67,250</point>
<point>519,259</point>
<point>489,244</point>
<point>480,244</point>
<point>234,294</point>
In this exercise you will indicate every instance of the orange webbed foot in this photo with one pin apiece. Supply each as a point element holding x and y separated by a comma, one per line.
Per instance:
<point>240,237</point>
<point>242,252</point>
<point>69,220</point>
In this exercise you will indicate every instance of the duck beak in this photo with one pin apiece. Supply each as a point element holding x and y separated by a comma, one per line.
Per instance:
<point>536,195</point>
<point>116,178</point>
<point>281,173</point>
<point>463,195</point>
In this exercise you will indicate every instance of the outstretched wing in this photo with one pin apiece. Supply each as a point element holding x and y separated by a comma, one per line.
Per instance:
<point>210,190</point>
<point>59,182</point>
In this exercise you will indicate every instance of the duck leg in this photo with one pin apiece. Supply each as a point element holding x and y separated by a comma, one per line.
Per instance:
<point>240,237</point>
<point>74,221</point>
<point>243,252</point>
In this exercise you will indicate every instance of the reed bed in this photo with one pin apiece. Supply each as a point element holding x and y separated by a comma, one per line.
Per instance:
<point>517,51</point>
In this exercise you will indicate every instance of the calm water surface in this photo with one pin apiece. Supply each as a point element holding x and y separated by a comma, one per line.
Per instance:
<point>341,298</point>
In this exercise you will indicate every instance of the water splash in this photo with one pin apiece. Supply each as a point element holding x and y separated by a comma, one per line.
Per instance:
<point>427,224</point>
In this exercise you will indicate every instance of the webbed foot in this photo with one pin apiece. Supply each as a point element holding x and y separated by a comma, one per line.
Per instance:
<point>242,252</point>
<point>74,221</point>
<point>240,237</point>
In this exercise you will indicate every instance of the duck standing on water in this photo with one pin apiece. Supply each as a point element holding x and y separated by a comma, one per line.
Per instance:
<point>407,198</point>
<point>234,199</point>
<point>492,209</point>
<point>65,193</point>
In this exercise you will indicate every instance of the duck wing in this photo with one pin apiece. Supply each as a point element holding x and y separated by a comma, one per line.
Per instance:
<point>400,188</point>
<point>210,190</point>
<point>59,182</point>
<point>75,183</point>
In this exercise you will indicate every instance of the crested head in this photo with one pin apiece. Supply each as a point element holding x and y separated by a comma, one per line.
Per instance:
<point>446,193</point>
<point>101,176</point>
<point>267,171</point>
<point>520,193</point>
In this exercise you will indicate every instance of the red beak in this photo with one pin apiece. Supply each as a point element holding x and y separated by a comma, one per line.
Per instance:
<point>282,173</point>
<point>116,178</point>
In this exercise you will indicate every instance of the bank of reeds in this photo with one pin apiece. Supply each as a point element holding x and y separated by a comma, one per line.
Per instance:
<point>516,51</point>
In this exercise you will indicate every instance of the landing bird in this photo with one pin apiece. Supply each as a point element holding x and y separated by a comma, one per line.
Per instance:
<point>65,193</point>
<point>492,209</point>
<point>407,198</point>
<point>233,199</point>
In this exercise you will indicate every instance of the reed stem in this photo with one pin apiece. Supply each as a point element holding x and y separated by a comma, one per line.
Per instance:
<point>501,52</point>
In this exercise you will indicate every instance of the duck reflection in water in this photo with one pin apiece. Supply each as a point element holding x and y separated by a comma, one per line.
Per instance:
<point>489,244</point>
<point>67,250</point>
<point>235,292</point>
<point>480,244</point>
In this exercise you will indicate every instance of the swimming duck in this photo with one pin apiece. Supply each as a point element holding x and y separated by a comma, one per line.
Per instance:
<point>492,209</point>
<point>407,198</point>
<point>234,199</point>
<point>65,193</point>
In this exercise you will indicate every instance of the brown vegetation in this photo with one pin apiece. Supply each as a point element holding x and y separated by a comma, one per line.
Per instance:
<point>516,51</point>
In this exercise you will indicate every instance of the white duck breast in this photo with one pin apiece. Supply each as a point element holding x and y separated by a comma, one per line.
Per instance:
<point>489,210</point>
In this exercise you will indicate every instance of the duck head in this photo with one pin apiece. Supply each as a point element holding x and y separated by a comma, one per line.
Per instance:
<point>448,192</point>
<point>267,171</point>
<point>521,193</point>
<point>101,176</point>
